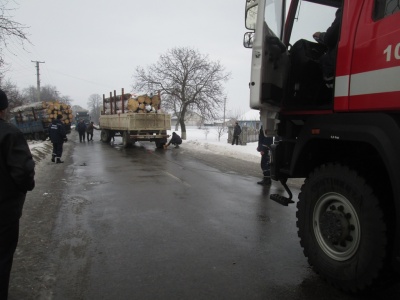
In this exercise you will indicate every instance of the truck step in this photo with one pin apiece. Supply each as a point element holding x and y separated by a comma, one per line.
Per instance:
<point>281,199</point>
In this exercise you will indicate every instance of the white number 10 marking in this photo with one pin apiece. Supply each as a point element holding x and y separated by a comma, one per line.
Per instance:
<point>388,52</point>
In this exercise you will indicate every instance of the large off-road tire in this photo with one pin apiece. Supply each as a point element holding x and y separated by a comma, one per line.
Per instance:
<point>105,136</point>
<point>342,228</point>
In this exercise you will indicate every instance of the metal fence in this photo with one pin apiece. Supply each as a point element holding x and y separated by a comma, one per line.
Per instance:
<point>248,135</point>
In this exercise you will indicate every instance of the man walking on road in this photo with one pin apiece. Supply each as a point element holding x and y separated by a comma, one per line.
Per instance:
<point>81,127</point>
<point>57,136</point>
<point>17,171</point>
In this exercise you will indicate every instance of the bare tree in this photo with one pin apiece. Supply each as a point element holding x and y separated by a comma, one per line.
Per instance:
<point>94,105</point>
<point>187,80</point>
<point>9,29</point>
<point>221,129</point>
<point>65,99</point>
<point>30,94</point>
<point>15,98</point>
<point>47,93</point>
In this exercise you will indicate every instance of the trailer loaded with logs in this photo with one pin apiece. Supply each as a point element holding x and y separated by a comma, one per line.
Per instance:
<point>134,118</point>
<point>34,119</point>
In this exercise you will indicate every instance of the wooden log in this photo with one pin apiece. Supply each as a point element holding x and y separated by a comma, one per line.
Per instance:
<point>147,99</point>
<point>141,98</point>
<point>155,101</point>
<point>132,105</point>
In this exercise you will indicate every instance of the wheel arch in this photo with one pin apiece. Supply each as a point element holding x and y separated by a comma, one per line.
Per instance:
<point>368,143</point>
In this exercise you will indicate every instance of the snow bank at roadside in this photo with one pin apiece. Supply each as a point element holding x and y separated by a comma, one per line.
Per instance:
<point>40,149</point>
<point>247,153</point>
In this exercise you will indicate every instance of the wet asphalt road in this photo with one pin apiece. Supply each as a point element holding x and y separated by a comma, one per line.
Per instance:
<point>142,223</point>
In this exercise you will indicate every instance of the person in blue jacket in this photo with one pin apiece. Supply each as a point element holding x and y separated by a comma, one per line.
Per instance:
<point>57,136</point>
<point>17,171</point>
<point>264,144</point>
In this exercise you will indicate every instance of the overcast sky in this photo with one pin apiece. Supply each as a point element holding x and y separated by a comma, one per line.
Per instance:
<point>94,46</point>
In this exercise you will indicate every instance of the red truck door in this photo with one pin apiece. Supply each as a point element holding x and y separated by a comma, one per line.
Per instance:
<point>373,83</point>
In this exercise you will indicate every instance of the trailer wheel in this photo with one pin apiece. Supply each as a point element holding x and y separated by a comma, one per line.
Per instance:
<point>126,140</point>
<point>105,136</point>
<point>160,144</point>
<point>341,228</point>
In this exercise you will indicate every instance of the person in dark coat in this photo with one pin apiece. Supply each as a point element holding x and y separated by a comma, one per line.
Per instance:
<point>17,171</point>
<point>175,140</point>
<point>236,132</point>
<point>264,144</point>
<point>330,39</point>
<point>81,127</point>
<point>89,131</point>
<point>57,136</point>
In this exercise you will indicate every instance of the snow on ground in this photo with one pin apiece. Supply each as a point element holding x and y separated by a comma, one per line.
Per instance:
<point>40,149</point>
<point>204,140</point>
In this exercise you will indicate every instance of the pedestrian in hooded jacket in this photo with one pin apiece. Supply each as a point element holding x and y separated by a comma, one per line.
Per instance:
<point>17,171</point>
<point>57,136</point>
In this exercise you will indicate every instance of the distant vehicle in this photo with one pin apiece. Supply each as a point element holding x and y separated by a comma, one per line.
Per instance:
<point>33,119</point>
<point>82,115</point>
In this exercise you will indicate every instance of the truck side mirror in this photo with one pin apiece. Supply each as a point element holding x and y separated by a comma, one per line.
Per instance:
<point>248,39</point>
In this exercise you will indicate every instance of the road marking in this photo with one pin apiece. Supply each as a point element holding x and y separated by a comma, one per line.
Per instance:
<point>177,179</point>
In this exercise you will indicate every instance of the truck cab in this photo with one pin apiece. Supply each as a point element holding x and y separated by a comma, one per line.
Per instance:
<point>341,133</point>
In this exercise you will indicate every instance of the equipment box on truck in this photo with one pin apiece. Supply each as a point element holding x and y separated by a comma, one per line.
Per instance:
<point>135,119</point>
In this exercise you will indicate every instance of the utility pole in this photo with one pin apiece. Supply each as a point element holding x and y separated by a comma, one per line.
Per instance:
<point>38,77</point>
<point>223,122</point>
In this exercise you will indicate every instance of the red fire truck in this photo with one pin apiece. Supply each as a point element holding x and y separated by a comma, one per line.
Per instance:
<point>341,134</point>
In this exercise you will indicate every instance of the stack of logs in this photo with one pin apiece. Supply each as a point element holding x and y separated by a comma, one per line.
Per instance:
<point>129,103</point>
<point>44,111</point>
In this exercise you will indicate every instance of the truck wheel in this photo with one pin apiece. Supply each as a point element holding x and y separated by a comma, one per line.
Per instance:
<point>341,228</point>
<point>126,140</point>
<point>160,145</point>
<point>105,136</point>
